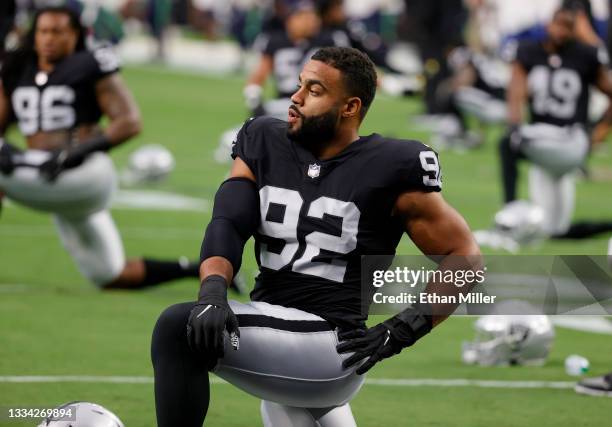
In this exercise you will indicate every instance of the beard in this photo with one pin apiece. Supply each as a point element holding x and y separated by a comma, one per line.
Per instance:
<point>314,130</point>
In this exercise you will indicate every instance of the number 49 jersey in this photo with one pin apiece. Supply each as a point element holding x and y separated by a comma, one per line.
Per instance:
<point>63,99</point>
<point>559,83</point>
<point>318,217</point>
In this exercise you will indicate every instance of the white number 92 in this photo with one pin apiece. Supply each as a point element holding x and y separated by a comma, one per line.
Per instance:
<point>429,163</point>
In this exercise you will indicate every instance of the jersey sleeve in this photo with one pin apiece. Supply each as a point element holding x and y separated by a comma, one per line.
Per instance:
<point>247,145</point>
<point>268,43</point>
<point>597,58</point>
<point>418,167</point>
<point>524,55</point>
<point>105,62</point>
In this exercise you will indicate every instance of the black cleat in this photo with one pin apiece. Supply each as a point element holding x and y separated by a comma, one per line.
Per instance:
<point>597,386</point>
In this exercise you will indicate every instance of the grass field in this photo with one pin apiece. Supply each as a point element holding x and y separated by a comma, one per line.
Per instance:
<point>52,322</point>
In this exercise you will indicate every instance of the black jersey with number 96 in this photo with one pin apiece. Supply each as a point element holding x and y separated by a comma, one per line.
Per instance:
<point>64,98</point>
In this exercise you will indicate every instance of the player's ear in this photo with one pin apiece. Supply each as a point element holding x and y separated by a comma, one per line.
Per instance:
<point>352,107</point>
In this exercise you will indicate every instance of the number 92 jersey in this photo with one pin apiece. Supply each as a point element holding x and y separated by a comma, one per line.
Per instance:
<point>318,217</point>
<point>64,98</point>
<point>559,83</point>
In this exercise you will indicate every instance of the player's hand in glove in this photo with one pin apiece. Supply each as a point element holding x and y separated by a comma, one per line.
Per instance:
<point>68,158</point>
<point>7,163</point>
<point>209,319</point>
<point>385,339</point>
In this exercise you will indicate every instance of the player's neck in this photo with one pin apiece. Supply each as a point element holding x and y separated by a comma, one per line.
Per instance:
<point>343,138</point>
<point>44,65</point>
<point>550,47</point>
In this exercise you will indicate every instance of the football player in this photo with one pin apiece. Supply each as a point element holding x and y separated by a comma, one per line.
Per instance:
<point>57,91</point>
<point>554,76</point>
<point>316,196</point>
<point>282,55</point>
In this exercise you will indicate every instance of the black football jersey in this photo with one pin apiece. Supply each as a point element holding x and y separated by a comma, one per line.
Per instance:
<point>318,217</point>
<point>64,98</point>
<point>289,57</point>
<point>559,83</point>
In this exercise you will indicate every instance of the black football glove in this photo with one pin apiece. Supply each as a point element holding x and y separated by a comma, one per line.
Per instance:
<point>209,319</point>
<point>7,163</point>
<point>71,157</point>
<point>514,133</point>
<point>385,339</point>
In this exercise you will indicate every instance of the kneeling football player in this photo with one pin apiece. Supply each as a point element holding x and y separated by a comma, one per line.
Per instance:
<point>316,196</point>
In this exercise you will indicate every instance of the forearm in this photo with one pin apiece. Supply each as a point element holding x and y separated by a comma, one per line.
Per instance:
<point>470,267</point>
<point>515,108</point>
<point>517,95</point>
<point>123,128</point>
<point>217,266</point>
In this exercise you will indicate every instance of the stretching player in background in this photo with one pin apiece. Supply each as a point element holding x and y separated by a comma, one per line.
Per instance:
<point>554,75</point>
<point>283,53</point>
<point>57,91</point>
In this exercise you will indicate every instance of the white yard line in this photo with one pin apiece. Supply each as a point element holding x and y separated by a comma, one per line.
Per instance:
<point>388,382</point>
<point>145,233</point>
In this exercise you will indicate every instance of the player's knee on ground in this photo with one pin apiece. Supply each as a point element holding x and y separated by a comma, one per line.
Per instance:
<point>170,330</point>
<point>95,246</point>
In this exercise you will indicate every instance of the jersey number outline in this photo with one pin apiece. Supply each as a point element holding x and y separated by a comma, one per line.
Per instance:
<point>46,110</point>
<point>555,92</point>
<point>429,163</point>
<point>290,201</point>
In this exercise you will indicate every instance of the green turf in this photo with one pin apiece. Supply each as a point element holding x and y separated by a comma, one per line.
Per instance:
<point>52,322</point>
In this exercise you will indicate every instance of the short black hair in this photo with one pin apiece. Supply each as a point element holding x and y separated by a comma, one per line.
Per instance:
<point>358,72</point>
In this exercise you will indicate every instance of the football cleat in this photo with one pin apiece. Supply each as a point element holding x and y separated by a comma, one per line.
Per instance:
<point>82,414</point>
<point>597,386</point>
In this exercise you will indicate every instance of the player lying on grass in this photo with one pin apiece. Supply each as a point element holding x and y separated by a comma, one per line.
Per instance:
<point>316,197</point>
<point>57,91</point>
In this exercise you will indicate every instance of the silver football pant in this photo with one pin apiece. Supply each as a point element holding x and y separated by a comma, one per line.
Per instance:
<point>288,356</point>
<point>558,150</point>
<point>555,153</point>
<point>277,415</point>
<point>610,254</point>
<point>481,104</point>
<point>556,195</point>
<point>79,201</point>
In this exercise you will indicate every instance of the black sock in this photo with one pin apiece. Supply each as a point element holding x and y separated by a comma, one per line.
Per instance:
<point>509,166</point>
<point>583,230</point>
<point>182,391</point>
<point>163,271</point>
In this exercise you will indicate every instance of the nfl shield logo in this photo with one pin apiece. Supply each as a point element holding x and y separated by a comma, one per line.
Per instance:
<point>314,170</point>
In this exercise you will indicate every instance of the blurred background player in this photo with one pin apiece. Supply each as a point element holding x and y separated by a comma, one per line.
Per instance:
<point>554,75</point>
<point>57,91</point>
<point>7,20</point>
<point>282,54</point>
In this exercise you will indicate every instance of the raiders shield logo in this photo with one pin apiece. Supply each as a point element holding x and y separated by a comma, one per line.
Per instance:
<point>314,170</point>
